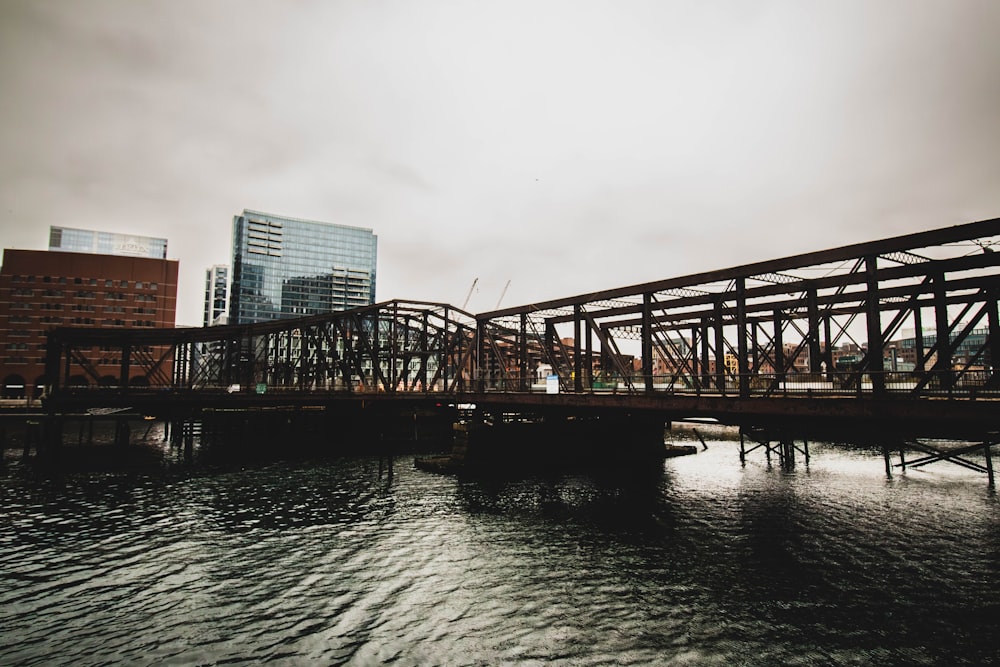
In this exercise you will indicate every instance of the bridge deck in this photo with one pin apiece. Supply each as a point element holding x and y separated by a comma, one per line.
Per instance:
<point>896,333</point>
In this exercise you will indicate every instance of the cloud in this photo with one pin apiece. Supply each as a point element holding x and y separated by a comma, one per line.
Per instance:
<point>564,146</point>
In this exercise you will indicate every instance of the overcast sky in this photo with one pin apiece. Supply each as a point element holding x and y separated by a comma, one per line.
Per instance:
<point>563,146</point>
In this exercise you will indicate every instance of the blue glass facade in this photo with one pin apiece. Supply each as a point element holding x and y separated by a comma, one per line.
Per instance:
<point>286,267</point>
<point>106,243</point>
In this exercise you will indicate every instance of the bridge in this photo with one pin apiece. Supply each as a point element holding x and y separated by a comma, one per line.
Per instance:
<point>898,336</point>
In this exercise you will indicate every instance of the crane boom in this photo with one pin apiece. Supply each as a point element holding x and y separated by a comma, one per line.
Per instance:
<point>469,295</point>
<point>502,295</point>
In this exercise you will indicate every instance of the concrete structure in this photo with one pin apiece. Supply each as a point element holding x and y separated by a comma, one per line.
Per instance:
<point>286,267</point>
<point>40,291</point>
<point>106,243</point>
<point>216,295</point>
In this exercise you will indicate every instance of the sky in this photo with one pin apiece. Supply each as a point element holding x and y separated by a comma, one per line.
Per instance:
<point>562,147</point>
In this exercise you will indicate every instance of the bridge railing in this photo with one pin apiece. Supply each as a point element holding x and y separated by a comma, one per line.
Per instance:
<point>898,384</point>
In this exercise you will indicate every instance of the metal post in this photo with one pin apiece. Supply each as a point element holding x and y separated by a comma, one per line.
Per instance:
<point>815,353</point>
<point>577,352</point>
<point>827,348</point>
<point>525,381</point>
<point>993,324</point>
<point>742,363</point>
<point>873,316</point>
<point>647,342</point>
<point>943,343</point>
<point>779,348</point>
<point>989,463</point>
<point>706,374</point>
<point>720,347</point>
<point>918,328</point>
<point>695,380</point>
<point>588,369</point>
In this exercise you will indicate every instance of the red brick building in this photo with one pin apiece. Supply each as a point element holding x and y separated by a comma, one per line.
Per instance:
<point>41,290</point>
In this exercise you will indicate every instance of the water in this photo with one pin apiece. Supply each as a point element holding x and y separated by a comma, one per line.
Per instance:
<point>703,563</point>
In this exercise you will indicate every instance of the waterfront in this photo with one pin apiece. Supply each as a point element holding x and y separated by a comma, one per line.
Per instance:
<point>329,562</point>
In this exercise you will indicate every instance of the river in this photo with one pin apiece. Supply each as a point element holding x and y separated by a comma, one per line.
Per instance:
<point>332,561</point>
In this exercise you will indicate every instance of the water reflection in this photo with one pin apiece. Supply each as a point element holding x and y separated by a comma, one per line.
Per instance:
<point>701,561</point>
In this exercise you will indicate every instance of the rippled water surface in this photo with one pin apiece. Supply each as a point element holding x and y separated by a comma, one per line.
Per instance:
<point>703,562</point>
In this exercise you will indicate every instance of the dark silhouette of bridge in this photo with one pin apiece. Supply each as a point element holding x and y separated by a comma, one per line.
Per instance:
<point>750,345</point>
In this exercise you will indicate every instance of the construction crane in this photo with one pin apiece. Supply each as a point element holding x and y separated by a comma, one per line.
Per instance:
<point>502,295</point>
<point>469,295</point>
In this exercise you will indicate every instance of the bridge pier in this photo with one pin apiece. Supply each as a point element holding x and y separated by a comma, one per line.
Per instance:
<point>516,441</point>
<point>954,455</point>
<point>780,445</point>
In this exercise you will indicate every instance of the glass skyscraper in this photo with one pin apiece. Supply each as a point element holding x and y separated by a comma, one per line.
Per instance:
<point>285,267</point>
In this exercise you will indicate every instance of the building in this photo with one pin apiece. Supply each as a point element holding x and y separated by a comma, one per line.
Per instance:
<point>216,295</point>
<point>41,290</point>
<point>106,243</point>
<point>285,267</point>
<point>972,352</point>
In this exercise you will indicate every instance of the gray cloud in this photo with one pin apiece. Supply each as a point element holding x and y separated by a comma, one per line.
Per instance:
<point>564,146</point>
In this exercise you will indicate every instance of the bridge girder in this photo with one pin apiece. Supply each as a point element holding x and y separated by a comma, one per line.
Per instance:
<point>743,331</point>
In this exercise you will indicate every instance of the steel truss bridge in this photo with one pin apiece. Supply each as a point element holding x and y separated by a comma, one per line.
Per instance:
<point>745,344</point>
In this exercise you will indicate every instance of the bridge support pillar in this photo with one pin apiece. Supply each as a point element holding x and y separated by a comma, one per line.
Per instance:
<point>955,455</point>
<point>775,443</point>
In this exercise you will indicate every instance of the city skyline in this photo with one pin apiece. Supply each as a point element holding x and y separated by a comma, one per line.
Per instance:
<point>563,147</point>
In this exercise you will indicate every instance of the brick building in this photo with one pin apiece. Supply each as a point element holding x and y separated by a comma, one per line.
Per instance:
<point>41,290</point>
